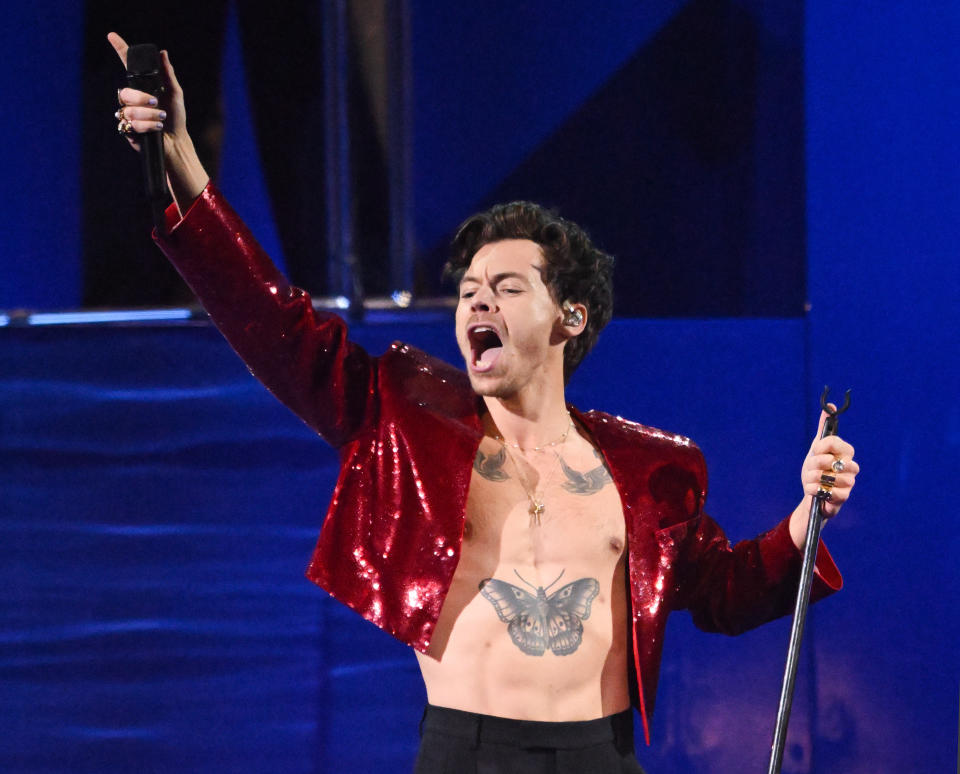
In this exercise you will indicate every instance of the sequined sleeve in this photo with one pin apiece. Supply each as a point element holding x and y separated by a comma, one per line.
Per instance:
<point>302,356</point>
<point>731,589</point>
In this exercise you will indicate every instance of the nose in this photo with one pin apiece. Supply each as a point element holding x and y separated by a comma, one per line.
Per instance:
<point>483,300</point>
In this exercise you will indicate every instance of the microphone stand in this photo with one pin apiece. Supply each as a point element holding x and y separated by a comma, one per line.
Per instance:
<point>814,526</point>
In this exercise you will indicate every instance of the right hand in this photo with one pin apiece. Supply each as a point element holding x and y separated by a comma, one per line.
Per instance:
<point>166,114</point>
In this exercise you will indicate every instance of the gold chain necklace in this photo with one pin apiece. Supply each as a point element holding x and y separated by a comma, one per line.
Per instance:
<point>537,506</point>
<point>555,442</point>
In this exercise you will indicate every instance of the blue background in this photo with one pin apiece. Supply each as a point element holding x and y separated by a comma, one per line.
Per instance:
<point>157,508</point>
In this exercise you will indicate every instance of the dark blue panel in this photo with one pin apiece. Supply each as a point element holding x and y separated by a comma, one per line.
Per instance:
<point>685,161</point>
<point>40,166</point>
<point>241,175</point>
<point>493,79</point>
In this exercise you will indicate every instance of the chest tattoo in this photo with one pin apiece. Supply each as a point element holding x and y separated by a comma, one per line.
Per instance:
<point>586,483</point>
<point>537,621</point>
<point>490,466</point>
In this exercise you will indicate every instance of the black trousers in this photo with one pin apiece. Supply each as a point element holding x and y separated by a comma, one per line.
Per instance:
<point>456,742</point>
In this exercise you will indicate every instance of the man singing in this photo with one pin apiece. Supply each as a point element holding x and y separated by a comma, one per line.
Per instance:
<point>528,552</point>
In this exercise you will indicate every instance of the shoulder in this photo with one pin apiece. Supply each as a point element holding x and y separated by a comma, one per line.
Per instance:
<point>426,380</point>
<point>636,433</point>
<point>405,359</point>
<point>663,454</point>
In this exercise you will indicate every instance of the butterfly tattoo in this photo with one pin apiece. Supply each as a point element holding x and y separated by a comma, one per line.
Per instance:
<point>536,622</point>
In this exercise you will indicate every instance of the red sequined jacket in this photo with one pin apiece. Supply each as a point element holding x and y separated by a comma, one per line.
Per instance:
<point>407,429</point>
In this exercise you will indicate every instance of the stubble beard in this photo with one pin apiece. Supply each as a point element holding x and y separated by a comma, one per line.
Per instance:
<point>502,386</point>
<point>485,389</point>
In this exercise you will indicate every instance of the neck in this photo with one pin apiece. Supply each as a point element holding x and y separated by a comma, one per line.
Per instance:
<point>527,423</point>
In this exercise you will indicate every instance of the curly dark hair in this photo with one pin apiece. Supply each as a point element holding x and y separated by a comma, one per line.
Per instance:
<point>576,270</point>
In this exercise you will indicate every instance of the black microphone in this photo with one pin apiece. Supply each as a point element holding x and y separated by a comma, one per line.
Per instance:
<point>143,74</point>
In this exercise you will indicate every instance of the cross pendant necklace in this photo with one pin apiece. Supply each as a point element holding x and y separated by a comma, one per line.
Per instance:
<point>536,508</point>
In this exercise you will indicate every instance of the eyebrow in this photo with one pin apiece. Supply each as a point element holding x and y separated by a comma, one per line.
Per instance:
<point>501,276</point>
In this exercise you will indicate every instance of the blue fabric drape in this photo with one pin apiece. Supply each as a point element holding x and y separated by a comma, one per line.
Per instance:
<point>158,507</point>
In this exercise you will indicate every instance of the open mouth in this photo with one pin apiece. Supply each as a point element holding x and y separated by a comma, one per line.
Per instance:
<point>485,347</point>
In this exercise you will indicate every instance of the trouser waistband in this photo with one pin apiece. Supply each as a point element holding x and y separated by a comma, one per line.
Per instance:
<point>527,734</point>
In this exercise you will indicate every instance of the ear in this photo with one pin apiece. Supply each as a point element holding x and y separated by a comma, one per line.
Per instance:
<point>573,320</point>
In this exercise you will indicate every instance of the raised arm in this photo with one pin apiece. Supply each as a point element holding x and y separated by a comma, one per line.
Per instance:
<point>303,357</point>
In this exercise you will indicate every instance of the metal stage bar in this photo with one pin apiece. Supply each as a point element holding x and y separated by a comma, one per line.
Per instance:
<point>376,309</point>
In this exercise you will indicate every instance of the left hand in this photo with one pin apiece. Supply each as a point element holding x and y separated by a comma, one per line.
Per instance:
<point>167,114</point>
<point>820,459</point>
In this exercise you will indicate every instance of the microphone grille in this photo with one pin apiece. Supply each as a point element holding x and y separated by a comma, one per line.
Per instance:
<point>142,59</point>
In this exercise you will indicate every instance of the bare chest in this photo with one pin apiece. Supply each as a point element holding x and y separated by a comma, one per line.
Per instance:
<point>544,508</point>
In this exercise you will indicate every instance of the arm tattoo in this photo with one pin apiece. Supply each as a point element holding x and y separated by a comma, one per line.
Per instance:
<point>537,622</point>
<point>588,483</point>
<point>490,466</point>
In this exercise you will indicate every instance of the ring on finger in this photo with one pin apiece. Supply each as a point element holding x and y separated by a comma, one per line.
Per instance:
<point>827,481</point>
<point>125,127</point>
<point>120,115</point>
<point>119,98</point>
<point>838,465</point>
